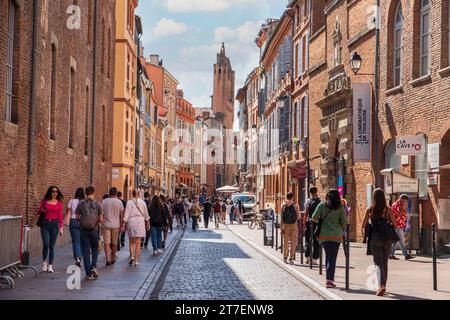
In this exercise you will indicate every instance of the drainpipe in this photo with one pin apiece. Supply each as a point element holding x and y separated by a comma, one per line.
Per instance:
<point>378,180</point>
<point>31,129</point>
<point>94,95</point>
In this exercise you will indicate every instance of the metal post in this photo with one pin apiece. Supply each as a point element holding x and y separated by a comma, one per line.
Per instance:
<point>433,231</point>
<point>273,229</point>
<point>276,233</point>
<point>311,243</point>
<point>347,258</point>
<point>321,260</point>
<point>281,240</point>
<point>302,249</point>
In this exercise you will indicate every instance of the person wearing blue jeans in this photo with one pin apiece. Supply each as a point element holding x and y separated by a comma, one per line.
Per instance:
<point>331,252</point>
<point>74,228</point>
<point>89,241</point>
<point>156,237</point>
<point>49,234</point>
<point>401,242</point>
<point>90,215</point>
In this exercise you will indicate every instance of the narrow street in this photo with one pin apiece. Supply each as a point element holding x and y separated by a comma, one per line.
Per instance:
<point>202,265</point>
<point>218,265</point>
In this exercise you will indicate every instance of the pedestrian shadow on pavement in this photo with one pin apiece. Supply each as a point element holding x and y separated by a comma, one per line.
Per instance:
<point>388,294</point>
<point>203,234</point>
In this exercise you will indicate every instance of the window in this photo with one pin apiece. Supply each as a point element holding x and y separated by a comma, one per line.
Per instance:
<point>71,107</point>
<point>398,45</point>
<point>307,52</point>
<point>391,160</point>
<point>10,113</point>
<point>421,170</point>
<point>337,48</point>
<point>126,129</point>
<point>89,35</point>
<point>128,71</point>
<point>52,109</point>
<point>103,47</point>
<point>300,58</point>
<point>425,32</point>
<point>86,123</point>
<point>103,133</point>
<point>108,67</point>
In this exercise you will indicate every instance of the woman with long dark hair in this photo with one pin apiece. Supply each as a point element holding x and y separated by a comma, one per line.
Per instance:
<point>379,213</point>
<point>74,224</point>
<point>52,209</point>
<point>156,213</point>
<point>331,215</point>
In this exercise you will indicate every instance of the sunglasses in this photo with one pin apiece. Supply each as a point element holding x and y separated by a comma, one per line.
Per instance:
<point>55,191</point>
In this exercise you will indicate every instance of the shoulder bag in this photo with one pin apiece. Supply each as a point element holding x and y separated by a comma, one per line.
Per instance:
<point>319,225</point>
<point>147,225</point>
<point>41,220</point>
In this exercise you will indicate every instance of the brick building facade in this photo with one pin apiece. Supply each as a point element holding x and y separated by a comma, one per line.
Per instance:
<point>58,109</point>
<point>50,133</point>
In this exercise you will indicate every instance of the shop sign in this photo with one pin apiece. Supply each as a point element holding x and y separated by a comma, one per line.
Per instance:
<point>115,174</point>
<point>432,179</point>
<point>410,145</point>
<point>404,184</point>
<point>362,96</point>
<point>433,156</point>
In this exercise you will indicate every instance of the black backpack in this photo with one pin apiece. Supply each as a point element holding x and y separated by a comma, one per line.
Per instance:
<point>289,215</point>
<point>89,215</point>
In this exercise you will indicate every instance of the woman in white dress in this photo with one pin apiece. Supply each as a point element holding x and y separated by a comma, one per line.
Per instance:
<point>136,222</point>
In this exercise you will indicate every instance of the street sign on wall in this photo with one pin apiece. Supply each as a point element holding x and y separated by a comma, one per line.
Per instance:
<point>362,104</point>
<point>409,145</point>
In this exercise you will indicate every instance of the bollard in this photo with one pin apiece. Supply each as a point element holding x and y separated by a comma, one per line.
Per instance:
<point>311,243</point>
<point>321,259</point>
<point>433,232</point>
<point>276,233</point>
<point>347,258</point>
<point>301,242</point>
<point>273,227</point>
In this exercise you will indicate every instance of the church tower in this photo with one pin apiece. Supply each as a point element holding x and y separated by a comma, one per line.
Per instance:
<point>223,108</point>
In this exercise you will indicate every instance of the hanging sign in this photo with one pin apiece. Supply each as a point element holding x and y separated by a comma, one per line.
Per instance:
<point>410,145</point>
<point>362,96</point>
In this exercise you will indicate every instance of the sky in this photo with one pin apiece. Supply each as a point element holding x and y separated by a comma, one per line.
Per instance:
<point>187,34</point>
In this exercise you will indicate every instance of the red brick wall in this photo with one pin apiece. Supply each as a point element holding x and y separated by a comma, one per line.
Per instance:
<point>54,163</point>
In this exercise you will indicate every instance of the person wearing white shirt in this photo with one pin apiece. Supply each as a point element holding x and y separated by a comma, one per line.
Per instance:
<point>74,225</point>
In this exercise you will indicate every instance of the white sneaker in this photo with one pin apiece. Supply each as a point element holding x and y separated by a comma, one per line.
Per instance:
<point>160,251</point>
<point>44,266</point>
<point>137,263</point>
<point>50,269</point>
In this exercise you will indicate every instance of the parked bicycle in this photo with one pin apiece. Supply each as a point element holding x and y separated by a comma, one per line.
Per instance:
<point>256,220</point>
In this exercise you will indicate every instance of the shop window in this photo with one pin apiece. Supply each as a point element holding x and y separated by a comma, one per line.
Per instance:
<point>421,170</point>
<point>391,160</point>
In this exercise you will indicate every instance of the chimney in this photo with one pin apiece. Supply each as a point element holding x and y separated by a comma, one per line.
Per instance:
<point>154,59</point>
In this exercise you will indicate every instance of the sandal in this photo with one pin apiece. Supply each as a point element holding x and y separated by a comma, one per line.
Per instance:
<point>131,262</point>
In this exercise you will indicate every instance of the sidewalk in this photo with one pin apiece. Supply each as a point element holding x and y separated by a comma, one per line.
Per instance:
<point>117,282</point>
<point>408,280</point>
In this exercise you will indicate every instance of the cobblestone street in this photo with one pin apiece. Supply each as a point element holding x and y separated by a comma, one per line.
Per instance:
<point>216,264</point>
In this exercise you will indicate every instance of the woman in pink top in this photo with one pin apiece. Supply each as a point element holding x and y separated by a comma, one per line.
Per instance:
<point>52,207</point>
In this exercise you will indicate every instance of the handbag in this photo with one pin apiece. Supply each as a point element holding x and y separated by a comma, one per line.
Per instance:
<point>387,231</point>
<point>319,225</point>
<point>41,220</point>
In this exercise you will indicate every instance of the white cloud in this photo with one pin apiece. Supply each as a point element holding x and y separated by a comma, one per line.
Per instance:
<point>206,5</point>
<point>168,27</point>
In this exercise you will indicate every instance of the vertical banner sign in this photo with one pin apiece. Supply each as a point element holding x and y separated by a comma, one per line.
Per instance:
<point>362,104</point>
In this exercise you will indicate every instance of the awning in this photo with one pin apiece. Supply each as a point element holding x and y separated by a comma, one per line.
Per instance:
<point>447,166</point>
<point>228,189</point>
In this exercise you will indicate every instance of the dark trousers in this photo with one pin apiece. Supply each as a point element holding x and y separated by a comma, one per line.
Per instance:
<point>185,219</point>
<point>194,223</point>
<point>89,242</point>
<point>74,229</point>
<point>148,236</point>
<point>331,253</point>
<point>206,216</point>
<point>49,234</point>
<point>315,242</point>
<point>381,251</point>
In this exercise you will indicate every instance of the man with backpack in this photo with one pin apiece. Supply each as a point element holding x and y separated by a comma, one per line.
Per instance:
<point>311,206</point>
<point>90,215</point>
<point>290,215</point>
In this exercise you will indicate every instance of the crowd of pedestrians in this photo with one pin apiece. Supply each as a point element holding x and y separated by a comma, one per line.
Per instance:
<point>103,226</point>
<point>326,223</point>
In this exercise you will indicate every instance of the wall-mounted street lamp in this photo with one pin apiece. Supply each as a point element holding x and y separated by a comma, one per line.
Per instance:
<point>355,62</point>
